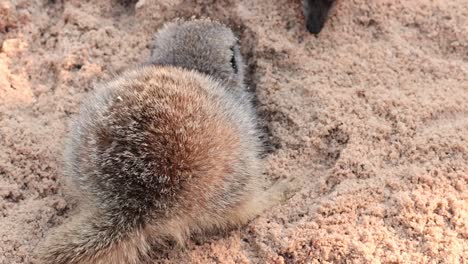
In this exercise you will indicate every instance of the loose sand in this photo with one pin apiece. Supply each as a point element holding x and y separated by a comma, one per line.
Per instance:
<point>371,116</point>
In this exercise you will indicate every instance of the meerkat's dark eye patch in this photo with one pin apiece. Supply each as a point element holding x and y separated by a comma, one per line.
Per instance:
<point>233,60</point>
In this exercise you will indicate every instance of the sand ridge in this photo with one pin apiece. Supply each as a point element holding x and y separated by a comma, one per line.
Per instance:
<point>371,117</point>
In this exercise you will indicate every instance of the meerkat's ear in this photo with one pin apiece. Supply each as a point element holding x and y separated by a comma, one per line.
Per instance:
<point>234,60</point>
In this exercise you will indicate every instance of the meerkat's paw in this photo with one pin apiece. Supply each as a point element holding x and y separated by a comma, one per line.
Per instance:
<point>283,189</point>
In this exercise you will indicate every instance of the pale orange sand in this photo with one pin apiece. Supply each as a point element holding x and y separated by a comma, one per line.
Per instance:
<point>371,116</point>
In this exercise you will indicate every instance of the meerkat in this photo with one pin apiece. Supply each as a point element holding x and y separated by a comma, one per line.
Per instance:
<point>316,14</point>
<point>163,152</point>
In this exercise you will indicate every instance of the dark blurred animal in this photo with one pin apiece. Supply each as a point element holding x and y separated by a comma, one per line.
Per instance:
<point>316,14</point>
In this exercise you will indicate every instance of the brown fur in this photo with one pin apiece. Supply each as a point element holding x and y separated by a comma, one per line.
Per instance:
<point>159,154</point>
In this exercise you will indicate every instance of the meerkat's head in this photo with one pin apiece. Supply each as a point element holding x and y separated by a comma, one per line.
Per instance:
<point>202,45</point>
<point>316,12</point>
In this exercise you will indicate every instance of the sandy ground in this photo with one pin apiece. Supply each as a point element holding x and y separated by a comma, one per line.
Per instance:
<point>372,118</point>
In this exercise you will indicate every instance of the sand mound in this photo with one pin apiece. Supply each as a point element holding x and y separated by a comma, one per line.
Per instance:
<point>372,117</point>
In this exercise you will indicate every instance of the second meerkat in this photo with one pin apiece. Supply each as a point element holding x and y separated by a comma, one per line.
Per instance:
<point>316,13</point>
<point>163,151</point>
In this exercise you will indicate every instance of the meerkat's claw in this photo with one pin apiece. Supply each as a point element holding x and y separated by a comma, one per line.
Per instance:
<point>283,189</point>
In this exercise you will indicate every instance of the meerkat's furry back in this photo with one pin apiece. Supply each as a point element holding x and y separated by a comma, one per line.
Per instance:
<point>163,152</point>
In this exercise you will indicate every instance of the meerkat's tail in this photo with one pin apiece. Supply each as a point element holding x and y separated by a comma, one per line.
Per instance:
<point>87,239</point>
